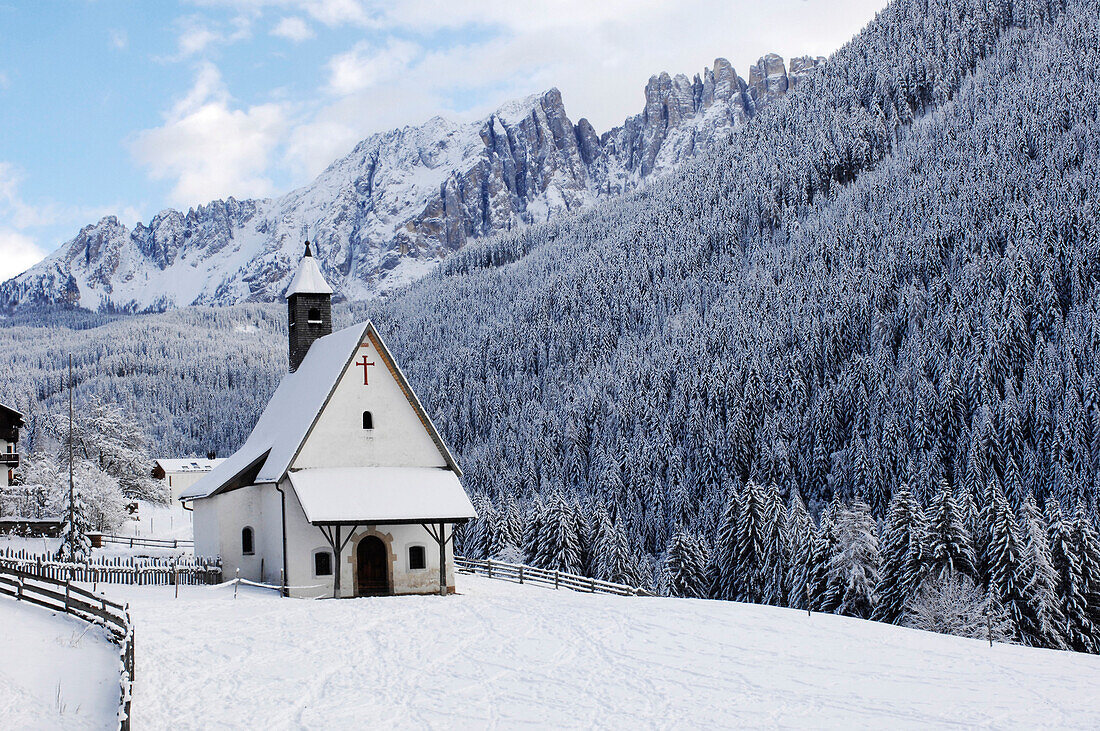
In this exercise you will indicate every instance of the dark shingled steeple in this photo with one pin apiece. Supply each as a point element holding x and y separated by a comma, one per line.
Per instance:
<point>309,308</point>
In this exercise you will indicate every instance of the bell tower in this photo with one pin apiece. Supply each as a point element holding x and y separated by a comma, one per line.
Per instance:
<point>309,308</point>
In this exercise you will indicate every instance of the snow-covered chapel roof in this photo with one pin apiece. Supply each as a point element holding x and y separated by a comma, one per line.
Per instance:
<point>308,279</point>
<point>381,495</point>
<point>292,411</point>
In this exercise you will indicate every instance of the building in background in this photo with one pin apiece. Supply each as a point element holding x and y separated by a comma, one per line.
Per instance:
<point>11,421</point>
<point>183,473</point>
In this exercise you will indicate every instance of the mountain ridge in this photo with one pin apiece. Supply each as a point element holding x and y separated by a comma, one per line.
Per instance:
<point>403,199</point>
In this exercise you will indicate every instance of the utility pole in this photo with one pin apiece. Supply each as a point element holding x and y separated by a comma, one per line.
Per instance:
<point>72,522</point>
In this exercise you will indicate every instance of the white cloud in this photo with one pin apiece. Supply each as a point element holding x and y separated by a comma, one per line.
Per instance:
<point>118,39</point>
<point>18,253</point>
<point>208,147</point>
<point>365,66</point>
<point>464,58</point>
<point>335,13</point>
<point>197,35</point>
<point>293,29</point>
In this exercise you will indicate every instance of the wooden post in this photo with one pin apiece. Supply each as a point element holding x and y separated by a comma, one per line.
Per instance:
<point>489,566</point>
<point>176,578</point>
<point>521,574</point>
<point>555,578</point>
<point>337,549</point>
<point>441,540</point>
<point>237,582</point>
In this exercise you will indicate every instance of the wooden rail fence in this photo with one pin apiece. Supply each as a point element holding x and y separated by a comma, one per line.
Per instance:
<point>171,571</point>
<point>63,596</point>
<point>99,539</point>
<point>523,574</point>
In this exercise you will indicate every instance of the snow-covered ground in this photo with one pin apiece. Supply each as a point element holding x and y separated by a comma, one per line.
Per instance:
<point>159,521</point>
<point>56,672</point>
<point>502,655</point>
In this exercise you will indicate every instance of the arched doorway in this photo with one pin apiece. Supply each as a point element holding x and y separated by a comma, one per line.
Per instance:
<point>372,575</point>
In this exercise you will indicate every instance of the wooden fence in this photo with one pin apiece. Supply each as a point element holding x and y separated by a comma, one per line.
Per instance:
<point>100,539</point>
<point>63,596</point>
<point>170,571</point>
<point>523,574</point>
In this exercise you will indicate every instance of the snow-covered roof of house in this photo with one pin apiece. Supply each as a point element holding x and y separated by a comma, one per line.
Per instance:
<point>292,411</point>
<point>308,279</point>
<point>188,464</point>
<point>12,413</point>
<point>381,495</point>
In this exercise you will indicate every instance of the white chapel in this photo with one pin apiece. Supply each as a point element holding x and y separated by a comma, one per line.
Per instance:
<point>344,487</point>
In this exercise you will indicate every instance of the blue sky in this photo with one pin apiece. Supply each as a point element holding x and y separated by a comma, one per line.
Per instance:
<point>125,107</point>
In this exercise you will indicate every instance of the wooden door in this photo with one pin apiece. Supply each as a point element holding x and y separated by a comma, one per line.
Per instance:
<point>372,567</point>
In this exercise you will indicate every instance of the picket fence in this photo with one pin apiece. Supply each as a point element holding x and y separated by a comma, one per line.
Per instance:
<point>524,574</point>
<point>63,596</point>
<point>170,571</point>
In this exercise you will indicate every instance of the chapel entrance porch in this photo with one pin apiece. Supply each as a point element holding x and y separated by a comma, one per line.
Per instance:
<point>372,575</point>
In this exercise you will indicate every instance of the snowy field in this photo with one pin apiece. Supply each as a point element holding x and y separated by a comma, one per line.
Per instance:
<point>502,655</point>
<point>56,672</point>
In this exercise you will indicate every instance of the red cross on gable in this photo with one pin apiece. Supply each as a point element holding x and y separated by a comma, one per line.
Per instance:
<point>365,365</point>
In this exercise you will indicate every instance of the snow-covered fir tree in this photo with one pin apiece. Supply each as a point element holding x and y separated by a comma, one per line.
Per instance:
<point>904,556</point>
<point>950,549</point>
<point>854,566</point>
<point>684,571</point>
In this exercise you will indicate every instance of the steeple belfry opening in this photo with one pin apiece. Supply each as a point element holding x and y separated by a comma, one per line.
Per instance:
<point>309,308</point>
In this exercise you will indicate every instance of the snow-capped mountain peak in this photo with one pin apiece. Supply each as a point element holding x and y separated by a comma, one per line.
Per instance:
<point>401,200</point>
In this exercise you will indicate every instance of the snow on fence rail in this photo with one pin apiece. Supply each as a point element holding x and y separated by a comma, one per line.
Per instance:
<point>98,539</point>
<point>171,571</point>
<point>63,596</point>
<point>521,573</point>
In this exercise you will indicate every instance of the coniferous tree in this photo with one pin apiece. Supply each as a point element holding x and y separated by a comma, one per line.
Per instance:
<point>1007,569</point>
<point>904,556</point>
<point>949,545</point>
<point>824,595</point>
<point>685,566</point>
<point>775,558</point>
<point>1079,628</point>
<point>751,526</point>
<point>75,544</point>
<point>854,566</point>
<point>801,539</point>
<point>725,580</point>
<point>1045,618</point>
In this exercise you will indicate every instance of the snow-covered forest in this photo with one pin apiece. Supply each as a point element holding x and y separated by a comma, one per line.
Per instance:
<point>879,299</point>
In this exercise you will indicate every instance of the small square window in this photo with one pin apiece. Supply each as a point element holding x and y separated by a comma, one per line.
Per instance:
<point>417,558</point>
<point>322,563</point>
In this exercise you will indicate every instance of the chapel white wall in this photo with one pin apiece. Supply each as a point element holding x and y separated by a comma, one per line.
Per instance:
<point>304,539</point>
<point>220,520</point>
<point>398,439</point>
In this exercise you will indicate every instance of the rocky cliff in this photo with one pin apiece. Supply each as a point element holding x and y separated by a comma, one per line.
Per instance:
<point>387,212</point>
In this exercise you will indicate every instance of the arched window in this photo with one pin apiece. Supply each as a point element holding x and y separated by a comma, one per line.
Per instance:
<point>417,558</point>
<point>314,315</point>
<point>322,563</point>
<point>368,420</point>
<point>247,547</point>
